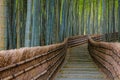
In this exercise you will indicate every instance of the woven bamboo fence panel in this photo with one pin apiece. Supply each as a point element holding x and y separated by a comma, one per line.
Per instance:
<point>38,63</point>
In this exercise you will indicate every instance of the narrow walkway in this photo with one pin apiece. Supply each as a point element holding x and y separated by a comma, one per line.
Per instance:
<point>80,66</point>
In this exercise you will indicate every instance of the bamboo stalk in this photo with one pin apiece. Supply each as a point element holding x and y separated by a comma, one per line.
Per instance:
<point>2,24</point>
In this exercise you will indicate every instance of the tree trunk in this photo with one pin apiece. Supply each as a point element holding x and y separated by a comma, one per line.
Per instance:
<point>108,28</point>
<point>113,19</point>
<point>97,1</point>
<point>2,24</point>
<point>113,16</point>
<point>28,23</point>
<point>35,38</point>
<point>89,17</point>
<point>82,19</point>
<point>18,23</point>
<point>119,19</point>
<point>93,32</point>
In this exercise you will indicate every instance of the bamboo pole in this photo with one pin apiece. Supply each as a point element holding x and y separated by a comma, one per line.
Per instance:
<point>2,24</point>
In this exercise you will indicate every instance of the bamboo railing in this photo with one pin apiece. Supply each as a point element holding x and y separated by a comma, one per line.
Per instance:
<point>38,63</point>
<point>107,57</point>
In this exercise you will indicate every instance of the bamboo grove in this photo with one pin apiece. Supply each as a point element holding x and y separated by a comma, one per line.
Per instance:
<point>26,23</point>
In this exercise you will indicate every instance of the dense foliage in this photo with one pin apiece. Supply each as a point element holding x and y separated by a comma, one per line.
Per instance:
<point>43,22</point>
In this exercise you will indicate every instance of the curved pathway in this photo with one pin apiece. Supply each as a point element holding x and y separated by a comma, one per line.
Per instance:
<point>80,66</point>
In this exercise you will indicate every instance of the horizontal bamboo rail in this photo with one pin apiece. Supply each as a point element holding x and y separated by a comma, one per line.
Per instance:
<point>107,57</point>
<point>38,63</point>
